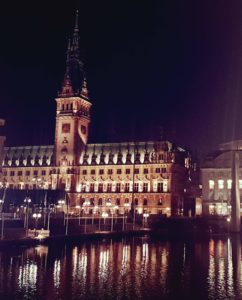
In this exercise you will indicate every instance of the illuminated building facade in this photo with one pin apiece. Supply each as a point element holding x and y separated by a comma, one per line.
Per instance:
<point>216,178</point>
<point>149,176</point>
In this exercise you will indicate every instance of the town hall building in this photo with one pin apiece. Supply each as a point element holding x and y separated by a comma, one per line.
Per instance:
<point>149,176</point>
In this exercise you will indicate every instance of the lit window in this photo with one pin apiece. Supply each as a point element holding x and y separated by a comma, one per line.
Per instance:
<point>229,184</point>
<point>220,184</point>
<point>240,184</point>
<point>211,184</point>
<point>136,187</point>
<point>145,187</point>
<point>160,187</point>
<point>165,186</point>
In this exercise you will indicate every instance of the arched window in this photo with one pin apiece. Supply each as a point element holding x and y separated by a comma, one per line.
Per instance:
<point>145,202</point>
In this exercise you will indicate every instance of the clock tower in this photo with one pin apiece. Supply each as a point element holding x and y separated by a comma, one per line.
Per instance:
<point>73,109</point>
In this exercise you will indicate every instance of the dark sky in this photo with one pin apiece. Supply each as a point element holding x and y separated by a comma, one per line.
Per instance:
<point>153,67</point>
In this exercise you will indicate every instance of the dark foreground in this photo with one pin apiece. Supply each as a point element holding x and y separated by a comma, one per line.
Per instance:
<point>124,268</point>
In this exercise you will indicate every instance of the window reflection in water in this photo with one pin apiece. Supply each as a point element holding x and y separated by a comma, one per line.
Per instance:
<point>56,273</point>
<point>145,259</point>
<point>125,259</point>
<point>129,269</point>
<point>103,263</point>
<point>28,275</point>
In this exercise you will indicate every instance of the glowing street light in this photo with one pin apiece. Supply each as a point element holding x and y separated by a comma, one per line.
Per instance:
<point>79,208</point>
<point>36,217</point>
<point>85,205</point>
<point>61,204</point>
<point>114,211</point>
<point>104,216</point>
<point>27,201</point>
<point>145,217</point>
<point>95,209</point>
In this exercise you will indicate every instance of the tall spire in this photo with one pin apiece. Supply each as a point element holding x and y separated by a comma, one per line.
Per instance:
<point>67,90</point>
<point>75,40</point>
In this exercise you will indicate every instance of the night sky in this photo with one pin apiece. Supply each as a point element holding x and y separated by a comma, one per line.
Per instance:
<point>154,68</point>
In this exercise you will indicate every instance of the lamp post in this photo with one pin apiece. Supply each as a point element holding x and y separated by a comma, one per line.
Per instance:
<point>85,205</point>
<point>113,211</point>
<point>95,209</point>
<point>104,216</point>
<point>36,217</point>
<point>1,205</point>
<point>2,218</point>
<point>27,201</point>
<point>126,205</point>
<point>2,202</point>
<point>109,204</point>
<point>145,216</point>
<point>116,207</point>
<point>61,204</point>
<point>50,210</point>
<point>79,214</point>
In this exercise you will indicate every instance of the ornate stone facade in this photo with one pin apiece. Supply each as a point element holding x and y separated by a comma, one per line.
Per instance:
<point>149,176</point>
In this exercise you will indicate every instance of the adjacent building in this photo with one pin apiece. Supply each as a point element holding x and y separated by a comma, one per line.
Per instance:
<point>216,179</point>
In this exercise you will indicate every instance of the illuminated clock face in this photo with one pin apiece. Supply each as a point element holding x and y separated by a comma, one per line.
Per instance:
<point>83,129</point>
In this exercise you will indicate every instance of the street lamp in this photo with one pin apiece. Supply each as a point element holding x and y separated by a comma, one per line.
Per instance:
<point>113,211</point>
<point>50,210</point>
<point>126,205</point>
<point>2,217</point>
<point>104,216</point>
<point>79,214</point>
<point>1,205</point>
<point>61,204</point>
<point>27,201</point>
<point>36,217</point>
<point>95,209</point>
<point>85,205</point>
<point>145,216</point>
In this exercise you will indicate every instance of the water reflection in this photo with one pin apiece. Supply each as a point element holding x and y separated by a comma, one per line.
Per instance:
<point>139,268</point>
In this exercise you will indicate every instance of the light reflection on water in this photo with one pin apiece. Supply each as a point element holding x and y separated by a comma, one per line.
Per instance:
<point>135,268</point>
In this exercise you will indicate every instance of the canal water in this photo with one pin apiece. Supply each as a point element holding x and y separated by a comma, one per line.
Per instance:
<point>131,268</point>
